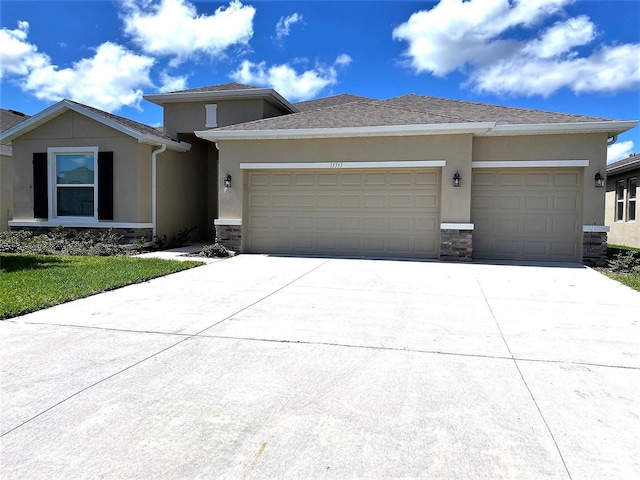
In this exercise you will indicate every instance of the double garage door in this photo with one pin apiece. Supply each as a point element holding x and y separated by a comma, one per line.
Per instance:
<point>374,212</point>
<point>518,214</point>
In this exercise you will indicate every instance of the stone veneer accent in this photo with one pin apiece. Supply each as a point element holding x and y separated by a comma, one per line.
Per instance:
<point>456,244</point>
<point>128,234</point>
<point>230,236</point>
<point>594,249</point>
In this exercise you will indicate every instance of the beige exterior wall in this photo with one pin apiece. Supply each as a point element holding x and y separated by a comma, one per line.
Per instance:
<point>187,117</point>
<point>592,147</point>
<point>182,192</point>
<point>132,164</point>
<point>454,149</point>
<point>623,232</point>
<point>6,191</point>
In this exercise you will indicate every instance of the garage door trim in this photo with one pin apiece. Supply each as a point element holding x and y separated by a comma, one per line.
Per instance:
<point>342,165</point>
<point>530,163</point>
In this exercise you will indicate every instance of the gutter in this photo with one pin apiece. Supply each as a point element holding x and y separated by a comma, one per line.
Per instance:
<point>154,179</point>
<point>477,128</point>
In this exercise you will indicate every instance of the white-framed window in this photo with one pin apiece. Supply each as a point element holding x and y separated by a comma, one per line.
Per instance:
<point>73,186</point>
<point>211,115</point>
<point>620,184</point>
<point>631,199</point>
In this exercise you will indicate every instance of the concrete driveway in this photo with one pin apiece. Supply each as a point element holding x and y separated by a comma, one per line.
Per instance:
<point>272,367</point>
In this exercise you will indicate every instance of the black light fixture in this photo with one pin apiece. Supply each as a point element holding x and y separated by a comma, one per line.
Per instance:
<point>456,179</point>
<point>227,180</point>
<point>599,179</point>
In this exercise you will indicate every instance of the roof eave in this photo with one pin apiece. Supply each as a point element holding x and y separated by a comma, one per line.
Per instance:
<point>479,128</point>
<point>624,168</point>
<point>172,145</point>
<point>613,127</point>
<point>268,94</point>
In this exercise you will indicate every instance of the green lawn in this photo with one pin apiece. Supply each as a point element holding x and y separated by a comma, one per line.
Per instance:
<point>630,279</point>
<point>33,282</point>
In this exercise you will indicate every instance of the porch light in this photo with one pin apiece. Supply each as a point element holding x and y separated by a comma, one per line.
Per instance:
<point>456,179</point>
<point>227,180</point>
<point>599,179</point>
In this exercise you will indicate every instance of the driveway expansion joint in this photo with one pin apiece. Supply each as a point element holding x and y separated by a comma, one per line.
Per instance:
<point>524,381</point>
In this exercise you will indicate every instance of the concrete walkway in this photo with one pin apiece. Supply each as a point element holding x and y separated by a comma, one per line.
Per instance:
<point>274,367</point>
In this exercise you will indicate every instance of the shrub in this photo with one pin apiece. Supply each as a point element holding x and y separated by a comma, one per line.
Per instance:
<point>58,242</point>
<point>625,262</point>
<point>182,237</point>
<point>214,250</point>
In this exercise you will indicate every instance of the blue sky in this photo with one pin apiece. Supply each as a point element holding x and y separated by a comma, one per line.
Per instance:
<point>573,56</point>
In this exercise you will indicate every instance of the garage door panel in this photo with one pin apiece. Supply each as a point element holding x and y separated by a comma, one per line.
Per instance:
<point>427,200</point>
<point>401,200</point>
<point>381,213</point>
<point>526,214</point>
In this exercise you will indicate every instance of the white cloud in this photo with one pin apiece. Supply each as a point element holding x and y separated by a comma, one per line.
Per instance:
<point>619,150</point>
<point>113,77</point>
<point>287,81</point>
<point>473,35</point>
<point>171,83</point>
<point>283,26</point>
<point>174,28</point>
<point>343,60</point>
<point>17,55</point>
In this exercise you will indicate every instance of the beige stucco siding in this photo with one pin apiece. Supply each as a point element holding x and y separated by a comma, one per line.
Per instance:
<point>454,149</point>
<point>181,193</point>
<point>132,188</point>
<point>621,232</point>
<point>591,147</point>
<point>188,117</point>
<point>6,191</point>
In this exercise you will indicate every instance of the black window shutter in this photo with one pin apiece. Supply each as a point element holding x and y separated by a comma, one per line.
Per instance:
<point>105,185</point>
<point>40,186</point>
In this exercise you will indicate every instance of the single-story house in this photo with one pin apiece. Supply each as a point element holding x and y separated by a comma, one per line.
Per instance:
<point>8,119</point>
<point>621,205</point>
<point>411,176</point>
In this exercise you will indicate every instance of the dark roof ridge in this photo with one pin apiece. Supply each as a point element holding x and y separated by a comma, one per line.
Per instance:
<point>215,88</point>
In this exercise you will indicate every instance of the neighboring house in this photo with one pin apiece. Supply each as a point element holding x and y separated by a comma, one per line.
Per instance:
<point>8,119</point>
<point>622,195</point>
<point>412,176</point>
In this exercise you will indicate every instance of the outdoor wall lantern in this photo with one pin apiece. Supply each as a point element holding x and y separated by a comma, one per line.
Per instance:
<point>227,180</point>
<point>456,179</point>
<point>599,179</point>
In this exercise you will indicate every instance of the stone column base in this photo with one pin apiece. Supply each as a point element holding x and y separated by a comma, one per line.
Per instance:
<point>594,249</point>
<point>230,236</point>
<point>456,245</point>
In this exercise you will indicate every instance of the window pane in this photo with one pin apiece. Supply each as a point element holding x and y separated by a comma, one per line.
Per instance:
<point>75,201</point>
<point>632,211</point>
<point>74,168</point>
<point>633,186</point>
<point>620,189</point>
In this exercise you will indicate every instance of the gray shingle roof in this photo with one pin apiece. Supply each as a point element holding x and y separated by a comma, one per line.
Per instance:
<point>462,111</point>
<point>10,118</point>
<point>216,88</point>
<point>352,111</point>
<point>329,102</point>
<point>632,161</point>
<point>353,114</point>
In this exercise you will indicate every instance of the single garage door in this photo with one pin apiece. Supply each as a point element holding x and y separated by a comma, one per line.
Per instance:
<point>527,214</point>
<point>374,212</point>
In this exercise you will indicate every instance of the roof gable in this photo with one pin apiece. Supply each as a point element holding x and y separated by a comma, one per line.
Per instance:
<point>142,133</point>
